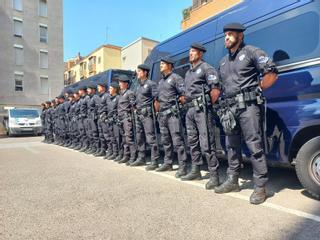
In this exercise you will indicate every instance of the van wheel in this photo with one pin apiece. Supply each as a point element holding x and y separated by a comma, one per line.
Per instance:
<point>308,166</point>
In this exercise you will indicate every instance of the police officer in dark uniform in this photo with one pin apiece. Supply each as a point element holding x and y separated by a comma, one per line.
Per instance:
<point>49,122</point>
<point>55,116</point>
<point>42,117</point>
<point>67,104</point>
<point>202,89</point>
<point>73,129</point>
<point>145,93</point>
<point>92,116</point>
<point>240,73</point>
<point>102,117</point>
<point>127,119</point>
<point>76,120</point>
<point>112,120</point>
<point>83,118</point>
<point>170,88</point>
<point>61,123</point>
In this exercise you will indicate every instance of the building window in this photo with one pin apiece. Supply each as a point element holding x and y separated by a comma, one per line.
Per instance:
<point>44,84</point>
<point>17,27</point>
<point>124,59</point>
<point>43,34</point>
<point>43,8</point>
<point>99,60</point>
<point>43,59</point>
<point>17,5</point>
<point>18,55</point>
<point>18,82</point>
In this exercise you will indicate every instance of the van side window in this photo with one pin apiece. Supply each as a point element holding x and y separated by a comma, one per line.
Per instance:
<point>291,40</point>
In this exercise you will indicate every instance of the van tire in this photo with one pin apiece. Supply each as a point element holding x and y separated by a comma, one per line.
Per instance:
<point>308,168</point>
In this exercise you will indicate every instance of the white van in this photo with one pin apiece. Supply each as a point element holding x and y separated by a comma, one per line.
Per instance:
<point>21,121</point>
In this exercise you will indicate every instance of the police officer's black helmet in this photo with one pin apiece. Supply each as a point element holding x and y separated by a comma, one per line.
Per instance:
<point>144,67</point>
<point>234,27</point>
<point>167,60</point>
<point>199,47</point>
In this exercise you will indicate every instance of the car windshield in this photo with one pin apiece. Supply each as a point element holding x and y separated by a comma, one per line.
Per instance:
<point>24,113</point>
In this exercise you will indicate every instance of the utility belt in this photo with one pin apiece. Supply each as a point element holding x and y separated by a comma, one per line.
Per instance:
<point>242,98</point>
<point>145,111</point>
<point>124,116</point>
<point>170,111</point>
<point>198,103</point>
<point>110,120</point>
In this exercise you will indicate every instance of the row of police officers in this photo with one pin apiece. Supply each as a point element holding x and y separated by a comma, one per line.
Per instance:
<point>117,122</point>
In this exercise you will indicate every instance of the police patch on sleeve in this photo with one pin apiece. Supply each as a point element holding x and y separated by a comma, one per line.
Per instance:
<point>212,78</point>
<point>263,59</point>
<point>198,71</point>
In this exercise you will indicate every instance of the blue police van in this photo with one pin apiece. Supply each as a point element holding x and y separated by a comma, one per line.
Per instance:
<point>289,32</point>
<point>107,77</point>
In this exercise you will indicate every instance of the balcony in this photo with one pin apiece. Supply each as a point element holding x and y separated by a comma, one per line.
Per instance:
<point>83,74</point>
<point>92,68</point>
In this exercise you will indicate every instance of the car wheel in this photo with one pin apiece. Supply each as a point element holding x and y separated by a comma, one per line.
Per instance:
<point>308,166</point>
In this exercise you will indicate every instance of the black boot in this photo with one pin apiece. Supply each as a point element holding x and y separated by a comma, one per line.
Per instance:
<point>77,147</point>
<point>118,158</point>
<point>164,168</point>
<point>139,162</point>
<point>153,166</point>
<point>194,174</point>
<point>124,159</point>
<point>83,149</point>
<point>113,156</point>
<point>131,160</point>
<point>230,185</point>
<point>182,171</point>
<point>108,155</point>
<point>258,196</point>
<point>100,153</point>
<point>213,182</point>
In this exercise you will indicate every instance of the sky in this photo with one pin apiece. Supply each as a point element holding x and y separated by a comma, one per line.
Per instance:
<point>89,24</point>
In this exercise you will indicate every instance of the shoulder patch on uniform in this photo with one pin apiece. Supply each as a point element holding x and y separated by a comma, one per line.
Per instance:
<point>263,59</point>
<point>242,57</point>
<point>212,77</point>
<point>169,80</point>
<point>145,86</point>
<point>198,71</point>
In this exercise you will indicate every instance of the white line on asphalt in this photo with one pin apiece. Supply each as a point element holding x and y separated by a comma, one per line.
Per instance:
<point>242,197</point>
<point>237,195</point>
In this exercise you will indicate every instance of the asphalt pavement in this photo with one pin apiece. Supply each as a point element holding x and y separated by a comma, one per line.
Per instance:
<point>51,192</point>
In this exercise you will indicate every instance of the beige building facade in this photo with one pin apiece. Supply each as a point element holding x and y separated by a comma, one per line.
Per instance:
<point>103,58</point>
<point>136,52</point>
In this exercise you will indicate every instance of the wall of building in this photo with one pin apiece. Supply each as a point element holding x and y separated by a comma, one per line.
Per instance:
<point>31,94</point>
<point>136,53</point>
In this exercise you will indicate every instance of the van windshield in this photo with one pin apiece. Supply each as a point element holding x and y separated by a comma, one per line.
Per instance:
<point>24,113</point>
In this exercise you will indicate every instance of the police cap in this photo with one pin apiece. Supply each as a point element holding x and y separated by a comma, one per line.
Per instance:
<point>92,86</point>
<point>123,78</point>
<point>234,27</point>
<point>167,60</point>
<point>199,47</point>
<point>82,88</point>
<point>114,85</point>
<point>144,67</point>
